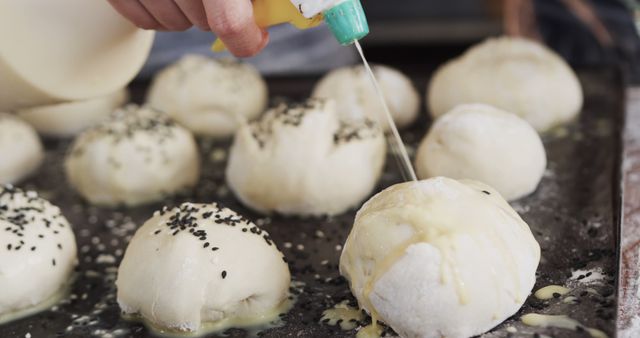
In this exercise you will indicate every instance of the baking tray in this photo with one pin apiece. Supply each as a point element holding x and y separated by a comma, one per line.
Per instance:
<point>574,215</point>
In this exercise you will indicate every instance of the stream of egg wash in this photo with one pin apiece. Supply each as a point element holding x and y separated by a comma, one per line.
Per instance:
<point>406,169</point>
<point>394,140</point>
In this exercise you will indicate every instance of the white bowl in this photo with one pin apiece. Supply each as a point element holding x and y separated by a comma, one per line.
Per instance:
<point>65,50</point>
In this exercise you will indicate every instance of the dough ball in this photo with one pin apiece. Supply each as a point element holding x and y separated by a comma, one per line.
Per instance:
<point>210,97</point>
<point>37,252</point>
<point>356,96</point>
<point>70,118</point>
<point>514,74</point>
<point>440,258</point>
<point>483,143</point>
<point>301,160</point>
<point>138,156</point>
<point>21,151</point>
<point>201,263</point>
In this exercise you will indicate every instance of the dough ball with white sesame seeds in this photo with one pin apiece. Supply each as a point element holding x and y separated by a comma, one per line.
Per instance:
<point>138,156</point>
<point>21,151</point>
<point>210,97</point>
<point>37,253</point>
<point>202,264</point>
<point>356,96</point>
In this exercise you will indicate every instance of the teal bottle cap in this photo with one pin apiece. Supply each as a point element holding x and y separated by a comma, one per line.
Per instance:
<point>347,21</point>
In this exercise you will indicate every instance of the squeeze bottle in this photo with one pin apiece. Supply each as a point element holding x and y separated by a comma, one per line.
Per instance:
<point>345,18</point>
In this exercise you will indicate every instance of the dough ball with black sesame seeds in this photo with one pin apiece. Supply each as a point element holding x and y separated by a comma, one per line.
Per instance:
<point>209,96</point>
<point>356,96</point>
<point>138,156</point>
<point>486,144</point>
<point>37,253</point>
<point>440,258</point>
<point>200,264</point>
<point>68,119</point>
<point>300,159</point>
<point>21,151</point>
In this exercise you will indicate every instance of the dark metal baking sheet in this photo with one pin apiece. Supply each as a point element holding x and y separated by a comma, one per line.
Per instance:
<point>573,214</point>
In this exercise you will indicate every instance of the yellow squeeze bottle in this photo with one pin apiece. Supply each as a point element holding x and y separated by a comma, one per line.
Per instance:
<point>269,13</point>
<point>345,18</point>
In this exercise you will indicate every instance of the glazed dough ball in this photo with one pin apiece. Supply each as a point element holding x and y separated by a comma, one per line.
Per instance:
<point>201,263</point>
<point>483,143</point>
<point>514,74</point>
<point>70,118</point>
<point>356,96</point>
<point>210,97</point>
<point>138,156</point>
<point>38,252</point>
<point>440,258</point>
<point>21,151</point>
<point>301,160</point>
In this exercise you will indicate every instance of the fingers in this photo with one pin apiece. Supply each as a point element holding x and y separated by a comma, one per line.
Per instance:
<point>136,13</point>
<point>231,20</point>
<point>153,14</point>
<point>194,11</point>
<point>233,23</point>
<point>168,14</point>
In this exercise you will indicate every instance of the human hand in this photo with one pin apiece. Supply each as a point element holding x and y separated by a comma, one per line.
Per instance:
<point>231,20</point>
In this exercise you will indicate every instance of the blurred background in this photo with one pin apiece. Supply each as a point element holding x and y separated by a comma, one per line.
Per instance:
<point>585,32</point>
<point>588,33</point>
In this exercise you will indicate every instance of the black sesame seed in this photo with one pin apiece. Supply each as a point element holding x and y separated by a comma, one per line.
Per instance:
<point>205,245</point>
<point>215,248</point>
<point>224,274</point>
<point>486,192</point>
